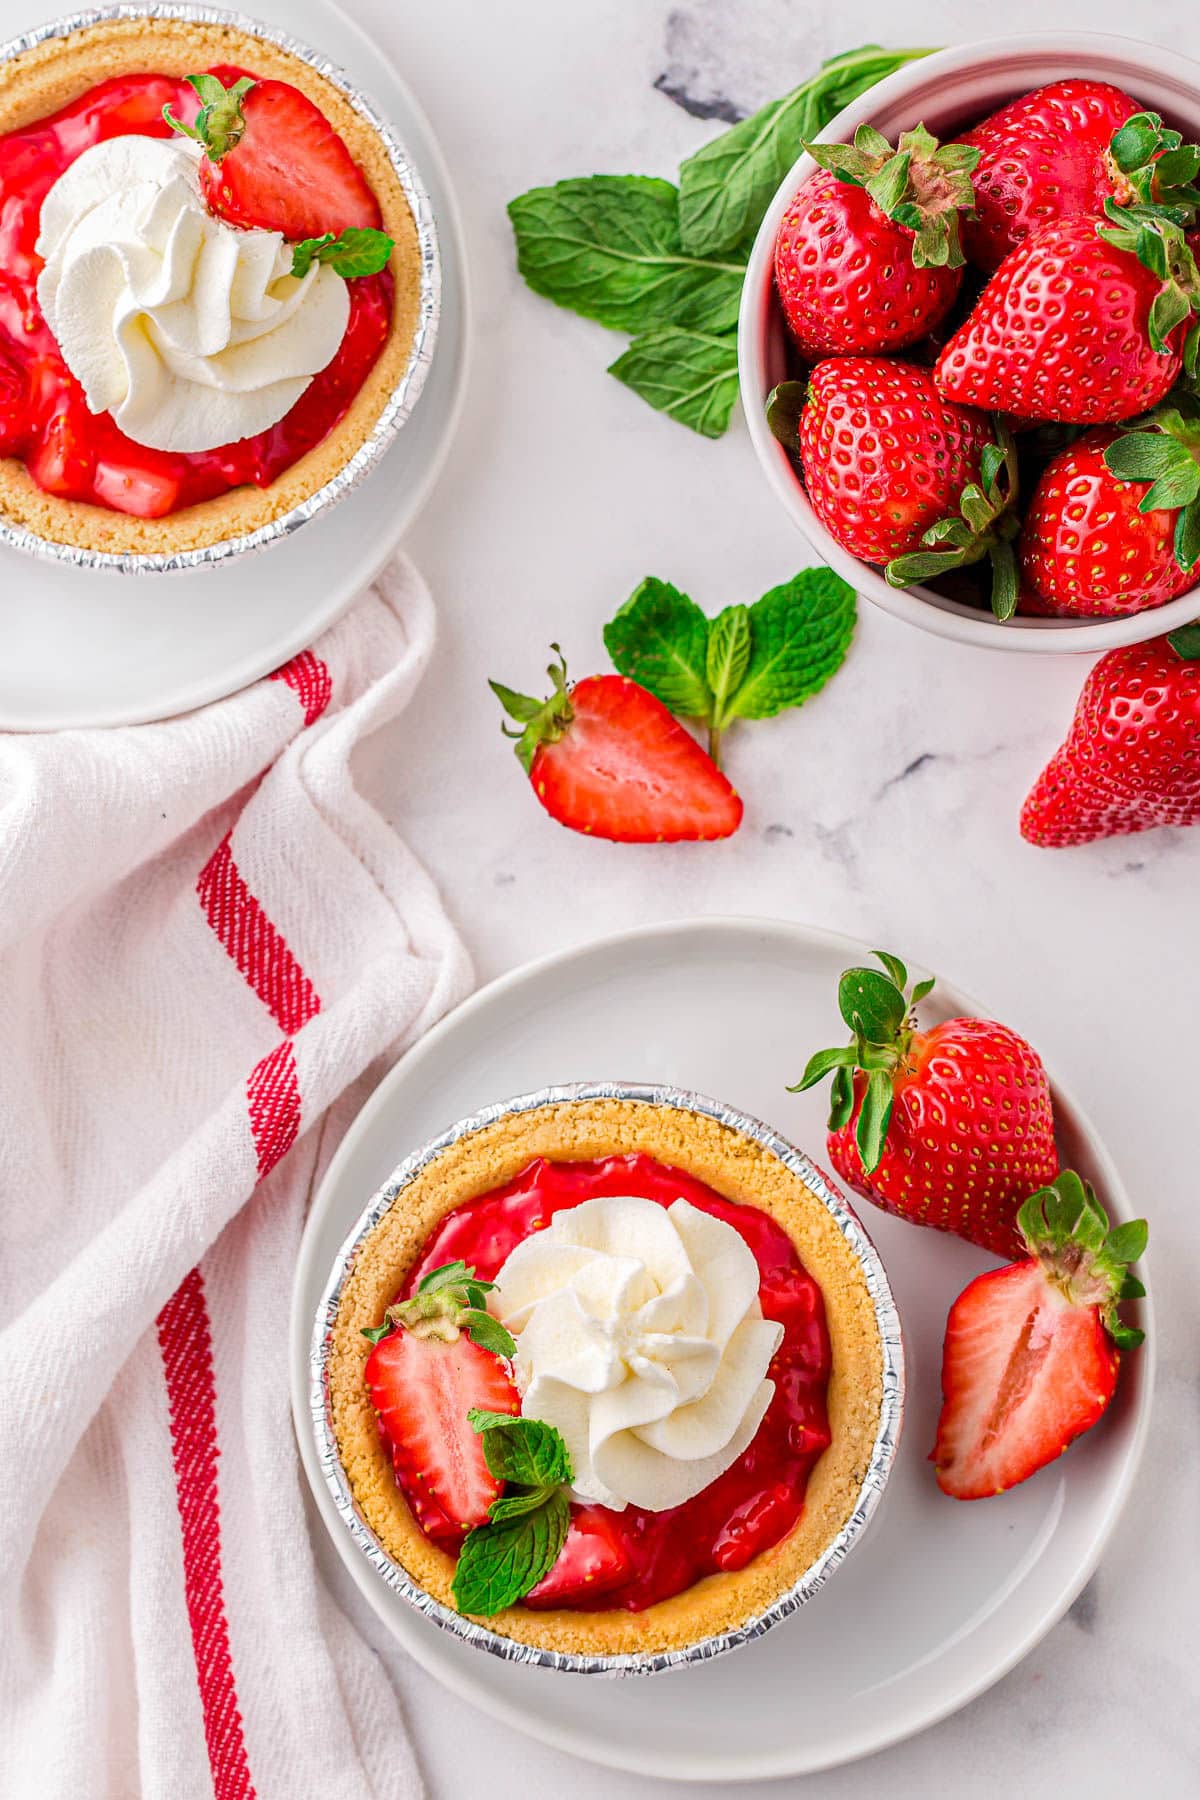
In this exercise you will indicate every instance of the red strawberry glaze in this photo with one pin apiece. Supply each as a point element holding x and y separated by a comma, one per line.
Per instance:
<point>759,1498</point>
<point>44,419</point>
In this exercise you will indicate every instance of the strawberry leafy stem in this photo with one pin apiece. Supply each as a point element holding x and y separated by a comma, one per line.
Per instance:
<point>1164,449</point>
<point>1156,164</point>
<point>448,1300</point>
<point>500,1562</point>
<point>541,721</point>
<point>220,121</point>
<point>919,185</point>
<point>985,525</point>
<point>880,1010</point>
<point>1155,235</point>
<point>1067,1230</point>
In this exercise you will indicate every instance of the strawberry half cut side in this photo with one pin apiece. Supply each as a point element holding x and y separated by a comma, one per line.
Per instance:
<point>273,161</point>
<point>1032,1350</point>
<point>431,1364</point>
<point>606,758</point>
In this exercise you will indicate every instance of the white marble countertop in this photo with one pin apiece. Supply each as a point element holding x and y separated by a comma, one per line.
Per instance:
<point>887,807</point>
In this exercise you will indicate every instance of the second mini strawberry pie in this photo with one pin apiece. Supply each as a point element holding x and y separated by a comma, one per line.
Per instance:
<point>609,1375</point>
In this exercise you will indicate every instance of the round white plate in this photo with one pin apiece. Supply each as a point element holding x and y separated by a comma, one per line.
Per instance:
<point>93,647</point>
<point>940,1598</point>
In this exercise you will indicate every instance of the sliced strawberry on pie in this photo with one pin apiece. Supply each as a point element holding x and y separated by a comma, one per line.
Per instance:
<point>274,161</point>
<point>594,1560</point>
<point>425,1375</point>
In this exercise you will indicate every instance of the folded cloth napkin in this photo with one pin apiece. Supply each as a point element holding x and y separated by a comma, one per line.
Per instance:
<point>209,943</point>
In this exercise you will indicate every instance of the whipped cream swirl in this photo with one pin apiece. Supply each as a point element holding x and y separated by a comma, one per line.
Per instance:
<point>640,1337</point>
<point>190,332</point>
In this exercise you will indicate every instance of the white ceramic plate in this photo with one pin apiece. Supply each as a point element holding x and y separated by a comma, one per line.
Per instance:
<point>89,647</point>
<point>940,1598</point>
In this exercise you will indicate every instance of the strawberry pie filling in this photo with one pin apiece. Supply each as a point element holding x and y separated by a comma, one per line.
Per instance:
<point>632,1558</point>
<point>44,419</point>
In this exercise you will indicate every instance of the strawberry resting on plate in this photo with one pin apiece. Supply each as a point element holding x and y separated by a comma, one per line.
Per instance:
<point>1032,1351</point>
<point>950,1126</point>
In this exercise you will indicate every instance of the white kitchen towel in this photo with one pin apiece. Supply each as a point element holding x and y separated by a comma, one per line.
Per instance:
<point>207,935</point>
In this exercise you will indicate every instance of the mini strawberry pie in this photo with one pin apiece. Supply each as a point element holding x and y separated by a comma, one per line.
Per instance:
<point>608,1375</point>
<point>210,283</point>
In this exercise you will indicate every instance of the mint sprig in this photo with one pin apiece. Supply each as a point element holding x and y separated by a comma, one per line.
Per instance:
<point>666,263</point>
<point>448,1300</point>
<point>750,662</point>
<point>359,250</point>
<point>502,1561</point>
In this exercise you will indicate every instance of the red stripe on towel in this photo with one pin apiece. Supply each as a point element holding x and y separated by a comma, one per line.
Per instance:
<point>311,681</point>
<point>186,1344</point>
<point>273,1097</point>
<point>249,938</point>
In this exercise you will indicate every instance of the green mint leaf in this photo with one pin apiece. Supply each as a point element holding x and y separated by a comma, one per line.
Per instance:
<point>799,635</point>
<point>502,1561</point>
<point>690,375</point>
<point>358,251</point>
<point>871,1004</point>
<point>728,657</point>
<point>487,1332</point>
<point>527,1451</point>
<point>659,639</point>
<point>511,1506</point>
<point>608,246</point>
<point>726,187</point>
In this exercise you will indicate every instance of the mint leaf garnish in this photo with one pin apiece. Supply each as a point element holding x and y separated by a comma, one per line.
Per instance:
<point>748,663</point>
<point>607,246</point>
<point>659,639</point>
<point>359,250</point>
<point>725,188</point>
<point>501,1561</point>
<point>666,264</point>
<point>527,1451</point>
<point>690,375</point>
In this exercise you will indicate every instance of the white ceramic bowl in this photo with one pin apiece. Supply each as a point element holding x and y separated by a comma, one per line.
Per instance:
<point>948,92</point>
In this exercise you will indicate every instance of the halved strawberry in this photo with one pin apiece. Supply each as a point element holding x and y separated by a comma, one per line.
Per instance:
<point>425,1374</point>
<point>606,758</point>
<point>273,160</point>
<point>593,1560</point>
<point>1032,1351</point>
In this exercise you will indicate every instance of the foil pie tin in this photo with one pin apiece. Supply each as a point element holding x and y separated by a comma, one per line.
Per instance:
<point>404,395</point>
<point>834,1554</point>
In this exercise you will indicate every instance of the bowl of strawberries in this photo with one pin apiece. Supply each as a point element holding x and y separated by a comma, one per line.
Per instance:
<point>969,343</point>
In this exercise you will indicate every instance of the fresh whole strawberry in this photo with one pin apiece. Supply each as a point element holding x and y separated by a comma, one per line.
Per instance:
<point>1132,757</point>
<point>900,476</point>
<point>1032,1351</point>
<point>606,758</point>
<point>868,256</point>
<point>950,1127</point>
<point>273,160</point>
<point>1113,525</point>
<point>1074,327</point>
<point>1045,156</point>
<point>436,1356</point>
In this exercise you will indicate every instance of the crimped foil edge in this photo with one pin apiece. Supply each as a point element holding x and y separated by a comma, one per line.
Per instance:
<point>404,395</point>
<point>870,1490</point>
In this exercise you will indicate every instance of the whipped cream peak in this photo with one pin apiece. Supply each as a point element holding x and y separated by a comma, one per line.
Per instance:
<point>640,1338</point>
<point>190,332</point>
